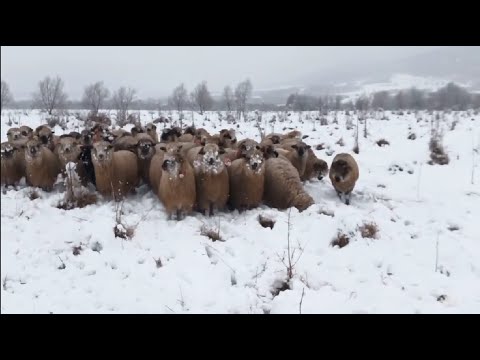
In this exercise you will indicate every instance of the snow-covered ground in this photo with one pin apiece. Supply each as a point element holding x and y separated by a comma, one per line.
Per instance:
<point>425,259</point>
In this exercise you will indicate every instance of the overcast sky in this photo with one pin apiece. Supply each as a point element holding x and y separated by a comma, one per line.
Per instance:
<point>155,71</point>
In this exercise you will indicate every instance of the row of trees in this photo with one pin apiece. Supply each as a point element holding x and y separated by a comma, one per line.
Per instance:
<point>450,96</point>
<point>50,95</point>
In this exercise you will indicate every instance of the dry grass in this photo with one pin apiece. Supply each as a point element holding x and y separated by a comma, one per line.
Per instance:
<point>369,230</point>
<point>123,232</point>
<point>382,142</point>
<point>32,195</point>
<point>266,222</point>
<point>341,240</point>
<point>79,201</point>
<point>320,146</point>
<point>211,233</point>
<point>323,121</point>
<point>437,153</point>
<point>340,142</point>
<point>356,149</point>
<point>411,136</point>
<point>77,250</point>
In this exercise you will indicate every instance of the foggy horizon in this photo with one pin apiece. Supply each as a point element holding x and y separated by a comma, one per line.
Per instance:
<point>155,71</point>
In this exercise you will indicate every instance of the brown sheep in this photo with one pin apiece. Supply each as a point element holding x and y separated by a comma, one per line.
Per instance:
<point>295,134</point>
<point>297,153</point>
<point>246,177</point>
<point>151,129</point>
<point>177,184</point>
<point>186,138</point>
<point>344,174</point>
<point>211,178</point>
<point>116,173</point>
<point>227,139</point>
<point>145,152</point>
<point>137,129</point>
<point>273,138</point>
<point>315,167</point>
<point>170,135</point>
<point>12,170</point>
<point>42,165</point>
<point>283,188</point>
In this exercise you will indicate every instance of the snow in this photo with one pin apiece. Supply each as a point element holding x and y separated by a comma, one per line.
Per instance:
<point>69,261</point>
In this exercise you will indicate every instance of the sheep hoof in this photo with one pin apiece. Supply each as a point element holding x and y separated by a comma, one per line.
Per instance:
<point>347,202</point>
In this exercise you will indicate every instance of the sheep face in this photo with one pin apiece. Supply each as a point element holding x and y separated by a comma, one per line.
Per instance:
<point>190,130</point>
<point>66,149</point>
<point>102,152</point>
<point>301,148</point>
<point>255,161</point>
<point>44,134</point>
<point>86,137</point>
<point>14,134</point>
<point>210,161</point>
<point>151,129</point>
<point>320,169</point>
<point>340,170</point>
<point>167,135</point>
<point>137,129</point>
<point>34,148</point>
<point>172,161</point>
<point>26,131</point>
<point>145,149</point>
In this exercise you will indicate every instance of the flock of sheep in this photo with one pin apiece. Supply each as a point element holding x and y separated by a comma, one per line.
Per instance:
<point>187,169</point>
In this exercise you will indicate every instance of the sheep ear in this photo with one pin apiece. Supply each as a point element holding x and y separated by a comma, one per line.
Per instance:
<point>109,146</point>
<point>53,132</point>
<point>294,146</point>
<point>234,141</point>
<point>202,151</point>
<point>309,147</point>
<point>163,148</point>
<point>221,150</point>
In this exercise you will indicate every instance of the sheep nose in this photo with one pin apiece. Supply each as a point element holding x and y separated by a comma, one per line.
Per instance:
<point>67,150</point>
<point>301,152</point>
<point>15,137</point>
<point>101,156</point>
<point>254,166</point>
<point>320,177</point>
<point>337,178</point>
<point>211,161</point>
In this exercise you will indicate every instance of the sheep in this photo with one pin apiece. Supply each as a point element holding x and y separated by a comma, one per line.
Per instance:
<point>283,188</point>
<point>295,134</point>
<point>314,168</point>
<point>74,134</point>
<point>42,165</point>
<point>177,189</point>
<point>68,150</point>
<point>211,178</point>
<point>151,129</point>
<point>246,177</point>
<point>137,129</point>
<point>87,163</point>
<point>145,152</point>
<point>273,138</point>
<point>13,167</point>
<point>344,174</point>
<point>297,153</point>
<point>228,138</point>
<point>118,133</point>
<point>87,137</point>
<point>116,173</point>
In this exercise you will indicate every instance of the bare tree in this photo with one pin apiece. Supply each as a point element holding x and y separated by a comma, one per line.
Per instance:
<point>50,94</point>
<point>243,91</point>
<point>6,95</point>
<point>202,97</point>
<point>179,98</point>
<point>229,97</point>
<point>94,96</point>
<point>122,100</point>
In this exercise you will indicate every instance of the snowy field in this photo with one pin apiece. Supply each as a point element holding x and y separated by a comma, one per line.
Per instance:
<point>425,257</point>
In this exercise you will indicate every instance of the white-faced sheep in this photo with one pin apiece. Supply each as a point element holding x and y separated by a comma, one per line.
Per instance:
<point>116,172</point>
<point>46,136</point>
<point>42,165</point>
<point>246,177</point>
<point>344,174</point>
<point>68,150</point>
<point>177,184</point>
<point>211,178</point>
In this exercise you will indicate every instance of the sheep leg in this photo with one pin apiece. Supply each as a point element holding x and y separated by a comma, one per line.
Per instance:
<point>211,210</point>
<point>179,214</point>
<point>347,198</point>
